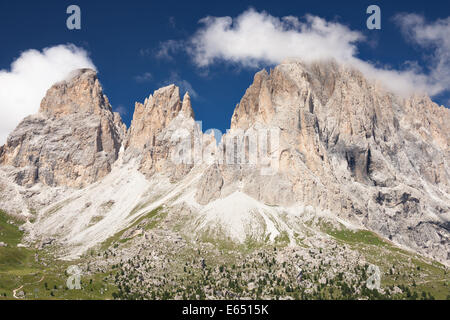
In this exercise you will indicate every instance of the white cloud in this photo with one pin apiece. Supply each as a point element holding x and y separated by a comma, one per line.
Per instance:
<point>434,36</point>
<point>30,76</point>
<point>254,39</point>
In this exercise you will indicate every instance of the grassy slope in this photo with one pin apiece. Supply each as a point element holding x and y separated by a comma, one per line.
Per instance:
<point>398,267</point>
<point>45,279</point>
<point>149,220</point>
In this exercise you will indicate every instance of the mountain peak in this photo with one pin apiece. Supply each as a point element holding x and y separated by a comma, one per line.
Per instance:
<point>167,98</point>
<point>155,114</point>
<point>81,92</point>
<point>186,106</point>
<point>83,72</point>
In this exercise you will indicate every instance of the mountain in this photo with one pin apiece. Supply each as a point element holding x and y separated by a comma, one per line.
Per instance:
<point>348,146</point>
<point>320,164</point>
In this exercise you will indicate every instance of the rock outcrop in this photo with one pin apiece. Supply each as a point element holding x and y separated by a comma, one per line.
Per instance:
<point>73,140</point>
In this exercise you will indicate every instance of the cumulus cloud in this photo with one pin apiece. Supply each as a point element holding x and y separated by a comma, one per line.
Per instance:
<point>30,76</point>
<point>255,39</point>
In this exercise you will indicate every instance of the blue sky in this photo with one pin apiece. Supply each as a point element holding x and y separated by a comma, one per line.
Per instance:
<point>123,39</point>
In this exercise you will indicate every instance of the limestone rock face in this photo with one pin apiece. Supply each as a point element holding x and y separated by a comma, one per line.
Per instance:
<point>348,146</point>
<point>73,140</point>
<point>159,125</point>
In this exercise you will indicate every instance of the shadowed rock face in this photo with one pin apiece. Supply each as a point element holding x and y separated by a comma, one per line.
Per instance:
<point>348,146</point>
<point>73,140</point>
